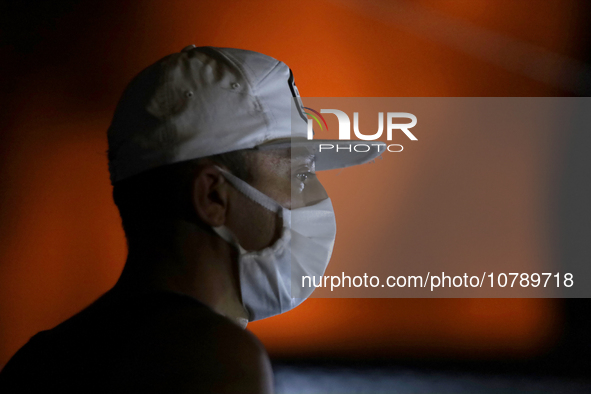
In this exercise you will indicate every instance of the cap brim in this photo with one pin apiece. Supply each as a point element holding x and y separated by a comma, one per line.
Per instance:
<point>332,154</point>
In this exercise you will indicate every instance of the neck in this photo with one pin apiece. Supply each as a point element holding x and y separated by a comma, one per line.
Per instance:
<point>191,262</point>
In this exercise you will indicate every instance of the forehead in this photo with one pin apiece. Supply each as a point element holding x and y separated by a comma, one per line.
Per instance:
<point>285,157</point>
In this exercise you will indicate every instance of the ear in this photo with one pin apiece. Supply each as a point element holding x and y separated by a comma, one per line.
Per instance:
<point>210,195</point>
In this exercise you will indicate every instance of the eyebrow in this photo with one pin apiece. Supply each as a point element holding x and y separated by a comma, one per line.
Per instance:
<point>307,159</point>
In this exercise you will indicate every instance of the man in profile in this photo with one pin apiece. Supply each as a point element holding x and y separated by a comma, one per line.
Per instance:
<point>215,183</point>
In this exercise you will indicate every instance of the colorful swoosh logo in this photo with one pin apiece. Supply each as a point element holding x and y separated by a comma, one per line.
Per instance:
<point>315,117</point>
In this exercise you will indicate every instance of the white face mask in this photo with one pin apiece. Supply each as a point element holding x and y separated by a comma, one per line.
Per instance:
<point>271,279</point>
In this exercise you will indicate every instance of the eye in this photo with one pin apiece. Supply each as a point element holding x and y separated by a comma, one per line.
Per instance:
<point>303,176</point>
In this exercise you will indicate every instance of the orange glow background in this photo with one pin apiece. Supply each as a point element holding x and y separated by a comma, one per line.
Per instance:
<point>62,243</point>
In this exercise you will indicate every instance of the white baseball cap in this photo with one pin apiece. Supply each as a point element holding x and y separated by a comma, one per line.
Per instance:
<point>205,101</point>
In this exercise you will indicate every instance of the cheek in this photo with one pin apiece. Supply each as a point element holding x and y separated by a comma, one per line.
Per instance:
<point>273,177</point>
<point>284,193</point>
<point>279,188</point>
<point>255,226</point>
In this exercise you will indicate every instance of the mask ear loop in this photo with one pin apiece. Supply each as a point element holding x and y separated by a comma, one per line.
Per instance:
<point>251,192</point>
<point>256,196</point>
<point>229,237</point>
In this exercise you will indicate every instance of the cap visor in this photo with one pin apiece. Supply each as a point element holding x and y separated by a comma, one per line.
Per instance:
<point>332,154</point>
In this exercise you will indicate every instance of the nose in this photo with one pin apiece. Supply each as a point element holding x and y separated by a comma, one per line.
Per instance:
<point>307,193</point>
